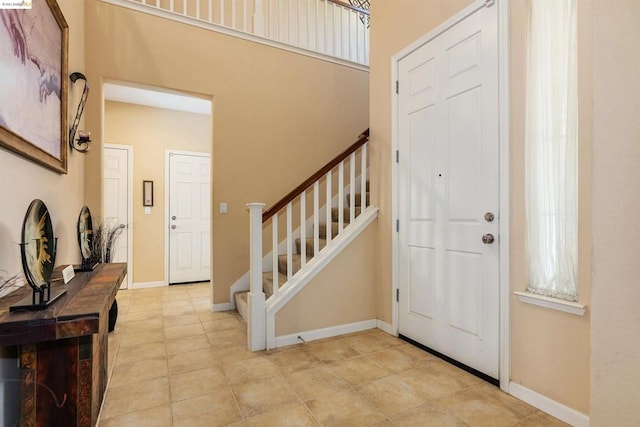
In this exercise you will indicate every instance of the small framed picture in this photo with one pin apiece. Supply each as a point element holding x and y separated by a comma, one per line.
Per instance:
<point>147,193</point>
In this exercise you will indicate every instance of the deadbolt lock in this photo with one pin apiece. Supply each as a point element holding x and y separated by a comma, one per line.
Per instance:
<point>489,217</point>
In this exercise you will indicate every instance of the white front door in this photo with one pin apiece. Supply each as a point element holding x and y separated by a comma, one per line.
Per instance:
<point>448,191</point>
<point>116,202</point>
<point>189,218</point>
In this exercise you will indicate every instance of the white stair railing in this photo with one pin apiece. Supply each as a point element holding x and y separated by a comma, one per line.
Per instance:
<point>333,28</point>
<point>292,210</point>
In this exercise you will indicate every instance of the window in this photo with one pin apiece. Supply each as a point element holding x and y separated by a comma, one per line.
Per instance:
<point>551,149</point>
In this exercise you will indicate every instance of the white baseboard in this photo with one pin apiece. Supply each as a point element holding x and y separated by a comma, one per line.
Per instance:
<point>329,332</point>
<point>144,285</point>
<point>224,306</point>
<point>550,406</point>
<point>385,327</point>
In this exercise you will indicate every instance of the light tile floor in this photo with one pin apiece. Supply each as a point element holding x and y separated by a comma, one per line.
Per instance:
<point>172,362</point>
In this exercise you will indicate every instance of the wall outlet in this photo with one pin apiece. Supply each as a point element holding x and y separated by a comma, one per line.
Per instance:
<point>147,210</point>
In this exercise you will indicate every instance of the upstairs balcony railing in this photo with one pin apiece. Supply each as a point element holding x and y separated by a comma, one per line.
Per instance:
<point>331,29</point>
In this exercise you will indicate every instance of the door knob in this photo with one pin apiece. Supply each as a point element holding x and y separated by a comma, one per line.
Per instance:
<point>488,238</point>
<point>489,216</point>
<point>173,217</point>
<point>173,227</point>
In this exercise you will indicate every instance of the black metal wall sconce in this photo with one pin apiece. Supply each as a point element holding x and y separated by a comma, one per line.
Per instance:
<point>84,138</point>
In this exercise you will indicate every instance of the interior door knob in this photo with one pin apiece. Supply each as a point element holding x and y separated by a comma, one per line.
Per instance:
<point>488,238</point>
<point>489,216</point>
<point>173,217</point>
<point>173,227</point>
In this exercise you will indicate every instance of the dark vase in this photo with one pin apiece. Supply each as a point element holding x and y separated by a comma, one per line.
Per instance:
<point>113,315</point>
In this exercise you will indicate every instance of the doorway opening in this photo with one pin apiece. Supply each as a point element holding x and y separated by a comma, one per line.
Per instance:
<point>152,121</point>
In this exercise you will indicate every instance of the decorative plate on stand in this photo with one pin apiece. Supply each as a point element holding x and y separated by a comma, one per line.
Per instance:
<point>38,250</point>
<point>38,244</point>
<point>85,240</point>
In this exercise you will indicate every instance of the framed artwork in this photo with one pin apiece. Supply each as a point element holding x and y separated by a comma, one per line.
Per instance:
<point>147,193</point>
<point>34,83</point>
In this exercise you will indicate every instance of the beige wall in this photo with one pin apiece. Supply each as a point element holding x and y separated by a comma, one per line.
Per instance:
<point>277,117</point>
<point>549,350</point>
<point>615,361</point>
<point>22,181</point>
<point>340,294</point>
<point>151,131</point>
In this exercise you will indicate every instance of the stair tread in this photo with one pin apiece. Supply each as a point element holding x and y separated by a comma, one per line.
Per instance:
<point>242,303</point>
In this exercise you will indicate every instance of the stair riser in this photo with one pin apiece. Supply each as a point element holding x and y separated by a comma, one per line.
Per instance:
<point>282,263</point>
<point>335,212</point>
<point>358,199</point>
<point>309,246</point>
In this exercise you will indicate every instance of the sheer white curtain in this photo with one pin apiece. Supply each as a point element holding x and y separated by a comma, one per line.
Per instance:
<point>551,148</point>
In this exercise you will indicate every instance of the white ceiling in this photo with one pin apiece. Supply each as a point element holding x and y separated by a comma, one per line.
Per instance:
<point>156,98</point>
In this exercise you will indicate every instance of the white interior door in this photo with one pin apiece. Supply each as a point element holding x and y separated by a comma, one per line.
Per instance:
<point>448,190</point>
<point>117,209</point>
<point>189,218</point>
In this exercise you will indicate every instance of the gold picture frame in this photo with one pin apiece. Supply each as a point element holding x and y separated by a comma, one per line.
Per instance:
<point>34,89</point>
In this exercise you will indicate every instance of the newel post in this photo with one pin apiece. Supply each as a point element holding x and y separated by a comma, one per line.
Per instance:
<point>258,18</point>
<point>256,328</point>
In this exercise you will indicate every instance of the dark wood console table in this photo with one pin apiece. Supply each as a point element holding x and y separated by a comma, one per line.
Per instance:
<point>63,349</point>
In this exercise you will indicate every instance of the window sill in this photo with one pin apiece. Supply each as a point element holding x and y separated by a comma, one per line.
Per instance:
<point>552,303</point>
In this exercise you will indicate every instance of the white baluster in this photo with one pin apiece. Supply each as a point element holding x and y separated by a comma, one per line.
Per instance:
<point>352,187</point>
<point>341,9</point>
<point>280,21</point>
<point>303,229</point>
<point>269,19</point>
<point>328,222</point>
<point>289,242</point>
<point>341,197</point>
<point>350,38</point>
<point>317,29</point>
<point>184,7</point>
<point>244,16</point>
<point>233,15</point>
<point>198,9</point>
<point>222,2</point>
<point>326,26</point>
<point>210,11</point>
<point>308,24</point>
<point>256,331</point>
<point>274,251</point>
<point>363,177</point>
<point>357,34</point>
<point>172,6</point>
<point>366,43</point>
<point>316,218</point>
<point>289,23</point>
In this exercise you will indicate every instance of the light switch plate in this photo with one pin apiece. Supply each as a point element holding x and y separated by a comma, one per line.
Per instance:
<point>147,210</point>
<point>223,208</point>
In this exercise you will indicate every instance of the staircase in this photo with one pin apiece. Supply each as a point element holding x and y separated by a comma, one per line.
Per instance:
<point>241,298</point>
<point>309,227</point>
